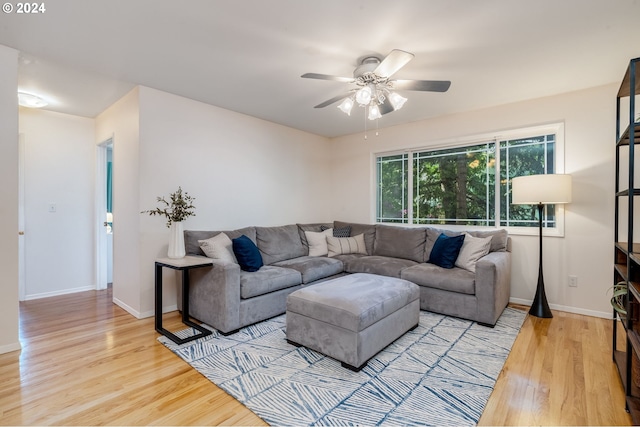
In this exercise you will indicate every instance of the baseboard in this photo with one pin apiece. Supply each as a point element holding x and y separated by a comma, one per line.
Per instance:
<point>57,293</point>
<point>10,347</point>
<point>567,309</point>
<point>164,310</point>
<point>143,315</point>
<point>127,308</point>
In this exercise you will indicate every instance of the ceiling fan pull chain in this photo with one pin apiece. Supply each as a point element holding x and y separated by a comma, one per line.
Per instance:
<point>366,113</point>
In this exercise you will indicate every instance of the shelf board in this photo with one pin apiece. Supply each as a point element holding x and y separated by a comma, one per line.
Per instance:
<point>622,271</point>
<point>625,139</point>
<point>634,192</point>
<point>624,247</point>
<point>620,359</point>
<point>634,338</point>
<point>625,86</point>
<point>633,403</point>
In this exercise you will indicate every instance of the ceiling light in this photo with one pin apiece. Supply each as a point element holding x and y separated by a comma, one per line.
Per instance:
<point>346,106</point>
<point>373,93</point>
<point>397,100</point>
<point>363,96</point>
<point>31,101</point>
<point>374,112</point>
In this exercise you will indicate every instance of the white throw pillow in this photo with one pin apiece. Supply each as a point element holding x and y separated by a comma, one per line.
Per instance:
<point>346,245</point>
<point>473,248</point>
<point>318,242</point>
<point>219,247</point>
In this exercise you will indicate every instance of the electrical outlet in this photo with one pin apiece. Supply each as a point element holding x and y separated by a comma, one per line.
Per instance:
<point>573,281</point>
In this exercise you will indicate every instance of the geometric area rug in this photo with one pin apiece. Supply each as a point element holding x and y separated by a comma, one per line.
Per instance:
<point>441,373</point>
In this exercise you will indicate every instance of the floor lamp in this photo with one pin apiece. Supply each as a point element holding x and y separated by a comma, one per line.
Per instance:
<point>541,190</point>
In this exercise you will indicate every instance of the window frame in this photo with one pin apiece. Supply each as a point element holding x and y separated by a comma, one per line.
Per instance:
<point>556,128</point>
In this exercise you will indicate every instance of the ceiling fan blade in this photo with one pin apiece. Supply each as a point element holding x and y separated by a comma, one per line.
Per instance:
<point>385,107</point>
<point>393,62</point>
<point>327,77</point>
<point>425,85</point>
<point>332,100</point>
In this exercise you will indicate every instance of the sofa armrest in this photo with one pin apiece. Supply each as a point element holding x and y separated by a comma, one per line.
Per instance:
<point>493,285</point>
<point>214,295</point>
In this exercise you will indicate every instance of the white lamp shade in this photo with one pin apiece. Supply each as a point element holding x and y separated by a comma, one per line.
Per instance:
<point>545,189</point>
<point>363,96</point>
<point>374,112</point>
<point>346,106</point>
<point>397,100</point>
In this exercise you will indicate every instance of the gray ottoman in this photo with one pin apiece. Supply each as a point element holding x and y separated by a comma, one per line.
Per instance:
<point>353,317</point>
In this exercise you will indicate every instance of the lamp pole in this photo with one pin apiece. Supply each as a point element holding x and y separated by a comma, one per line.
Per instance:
<point>540,306</point>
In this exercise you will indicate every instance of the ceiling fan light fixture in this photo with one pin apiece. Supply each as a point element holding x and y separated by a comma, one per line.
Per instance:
<point>397,100</point>
<point>363,96</point>
<point>374,112</point>
<point>31,101</point>
<point>346,105</point>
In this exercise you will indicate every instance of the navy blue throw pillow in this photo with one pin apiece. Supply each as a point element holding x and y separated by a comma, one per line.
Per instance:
<point>445,250</point>
<point>247,254</point>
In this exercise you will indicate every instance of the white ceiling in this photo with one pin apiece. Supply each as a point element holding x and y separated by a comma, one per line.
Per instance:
<point>248,55</point>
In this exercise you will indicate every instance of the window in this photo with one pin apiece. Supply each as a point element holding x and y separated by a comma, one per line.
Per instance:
<point>458,185</point>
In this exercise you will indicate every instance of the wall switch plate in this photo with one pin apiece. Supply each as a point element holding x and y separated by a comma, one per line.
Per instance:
<point>573,281</point>
<point>52,208</point>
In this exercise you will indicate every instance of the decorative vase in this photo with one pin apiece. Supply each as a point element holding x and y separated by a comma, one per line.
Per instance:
<point>176,240</point>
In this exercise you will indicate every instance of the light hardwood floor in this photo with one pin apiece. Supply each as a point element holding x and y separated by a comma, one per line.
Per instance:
<point>85,361</point>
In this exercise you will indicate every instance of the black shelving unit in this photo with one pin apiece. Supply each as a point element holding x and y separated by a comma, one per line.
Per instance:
<point>627,253</point>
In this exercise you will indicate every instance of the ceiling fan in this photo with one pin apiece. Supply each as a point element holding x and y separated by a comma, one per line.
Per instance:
<point>374,86</point>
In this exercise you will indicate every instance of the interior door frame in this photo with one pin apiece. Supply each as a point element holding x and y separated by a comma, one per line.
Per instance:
<point>100,211</point>
<point>22,269</point>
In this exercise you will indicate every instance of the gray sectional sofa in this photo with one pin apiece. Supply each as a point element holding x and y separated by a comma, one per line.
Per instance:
<point>229,298</point>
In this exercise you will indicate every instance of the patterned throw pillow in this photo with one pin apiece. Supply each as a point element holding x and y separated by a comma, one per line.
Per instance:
<point>218,247</point>
<point>346,245</point>
<point>339,232</point>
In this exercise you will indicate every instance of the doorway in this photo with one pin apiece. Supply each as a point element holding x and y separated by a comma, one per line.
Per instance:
<point>104,214</point>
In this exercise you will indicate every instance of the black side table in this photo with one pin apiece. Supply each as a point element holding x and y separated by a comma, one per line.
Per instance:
<point>183,264</point>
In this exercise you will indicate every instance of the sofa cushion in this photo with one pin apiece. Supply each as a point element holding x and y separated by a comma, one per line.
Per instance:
<point>499,238</point>
<point>316,227</point>
<point>269,279</point>
<point>400,242</point>
<point>247,254</point>
<point>346,245</point>
<point>219,247</point>
<point>368,230</point>
<point>447,279</point>
<point>445,251</point>
<point>279,243</point>
<point>313,268</point>
<point>473,248</point>
<point>384,266</point>
<point>317,241</point>
<point>191,238</point>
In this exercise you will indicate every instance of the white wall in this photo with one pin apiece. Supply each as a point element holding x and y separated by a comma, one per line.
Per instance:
<point>121,122</point>
<point>241,170</point>
<point>9,196</point>
<point>587,248</point>
<point>58,170</point>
